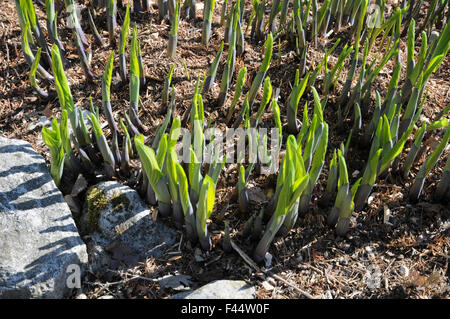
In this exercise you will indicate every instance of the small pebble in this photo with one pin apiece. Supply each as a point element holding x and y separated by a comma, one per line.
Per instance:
<point>404,271</point>
<point>267,286</point>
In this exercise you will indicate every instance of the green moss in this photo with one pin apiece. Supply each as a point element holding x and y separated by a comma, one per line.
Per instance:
<point>120,201</point>
<point>96,201</point>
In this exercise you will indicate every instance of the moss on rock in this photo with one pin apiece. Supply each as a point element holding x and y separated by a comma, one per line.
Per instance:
<point>96,201</point>
<point>119,201</point>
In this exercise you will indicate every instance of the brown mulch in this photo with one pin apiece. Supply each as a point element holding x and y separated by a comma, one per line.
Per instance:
<point>369,262</point>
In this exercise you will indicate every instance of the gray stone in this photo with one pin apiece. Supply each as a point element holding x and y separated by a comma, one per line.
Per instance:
<point>38,237</point>
<point>220,289</point>
<point>119,221</point>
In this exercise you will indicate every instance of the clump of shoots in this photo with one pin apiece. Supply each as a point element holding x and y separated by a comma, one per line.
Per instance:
<point>291,182</point>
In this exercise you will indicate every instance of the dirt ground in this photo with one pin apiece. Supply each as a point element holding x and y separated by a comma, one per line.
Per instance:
<point>404,258</point>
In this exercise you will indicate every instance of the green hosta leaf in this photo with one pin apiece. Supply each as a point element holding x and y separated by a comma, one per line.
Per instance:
<point>95,124</point>
<point>267,94</point>
<point>385,132</point>
<point>62,86</point>
<point>317,105</point>
<point>52,137</point>
<point>184,190</point>
<point>268,45</point>
<point>297,189</point>
<point>194,172</point>
<point>319,156</point>
<point>343,175</point>
<point>33,70</point>
<point>355,188</point>
<point>64,132</point>
<point>442,123</point>
<point>175,131</point>
<point>124,33</point>
<point>171,171</point>
<point>241,182</point>
<point>370,173</point>
<point>162,150</point>
<point>206,200</point>
<point>134,62</point>
<point>277,119</point>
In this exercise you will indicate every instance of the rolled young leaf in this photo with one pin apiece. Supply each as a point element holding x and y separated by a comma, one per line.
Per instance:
<point>267,94</point>
<point>204,210</point>
<point>173,36</point>
<point>189,216</point>
<point>111,12</point>
<point>52,137</point>
<point>106,94</point>
<point>207,19</point>
<point>213,70</point>
<point>153,171</point>
<point>331,182</point>
<point>259,78</point>
<point>409,161</point>
<point>244,200</point>
<point>42,93</point>
<point>123,43</point>
<point>240,82</point>
<point>102,144</point>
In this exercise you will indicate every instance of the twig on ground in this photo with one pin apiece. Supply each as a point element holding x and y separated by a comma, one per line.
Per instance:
<point>249,261</point>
